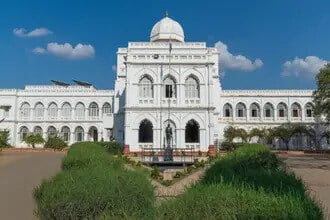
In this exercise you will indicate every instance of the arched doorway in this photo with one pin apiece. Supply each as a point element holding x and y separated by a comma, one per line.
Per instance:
<point>93,134</point>
<point>145,132</point>
<point>192,132</point>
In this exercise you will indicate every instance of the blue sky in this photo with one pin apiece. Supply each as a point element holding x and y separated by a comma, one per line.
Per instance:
<point>275,32</point>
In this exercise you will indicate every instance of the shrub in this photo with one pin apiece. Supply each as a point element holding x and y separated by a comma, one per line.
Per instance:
<point>220,201</point>
<point>55,143</point>
<point>95,192</point>
<point>113,147</point>
<point>4,138</point>
<point>230,146</point>
<point>87,154</point>
<point>178,174</point>
<point>155,173</point>
<point>95,185</point>
<point>33,139</point>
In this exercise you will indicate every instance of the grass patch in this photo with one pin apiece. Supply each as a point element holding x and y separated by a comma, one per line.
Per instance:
<point>223,201</point>
<point>94,184</point>
<point>249,183</point>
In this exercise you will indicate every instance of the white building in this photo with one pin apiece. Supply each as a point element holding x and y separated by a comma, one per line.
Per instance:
<point>164,81</point>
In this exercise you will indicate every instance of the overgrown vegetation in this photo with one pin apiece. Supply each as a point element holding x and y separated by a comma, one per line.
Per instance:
<point>4,138</point>
<point>284,132</point>
<point>322,93</point>
<point>92,185</point>
<point>113,148</point>
<point>55,142</point>
<point>249,183</point>
<point>34,139</point>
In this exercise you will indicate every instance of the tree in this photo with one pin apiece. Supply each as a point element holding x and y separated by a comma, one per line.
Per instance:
<point>256,132</point>
<point>231,133</point>
<point>33,139</point>
<point>283,132</point>
<point>4,138</point>
<point>322,93</point>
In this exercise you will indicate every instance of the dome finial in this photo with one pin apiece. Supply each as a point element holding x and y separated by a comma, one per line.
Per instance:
<point>166,13</point>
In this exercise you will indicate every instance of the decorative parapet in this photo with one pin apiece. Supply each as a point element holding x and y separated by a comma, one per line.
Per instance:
<point>268,93</point>
<point>164,45</point>
<point>47,90</point>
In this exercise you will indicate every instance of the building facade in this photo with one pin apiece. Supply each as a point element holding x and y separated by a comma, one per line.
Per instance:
<point>160,83</point>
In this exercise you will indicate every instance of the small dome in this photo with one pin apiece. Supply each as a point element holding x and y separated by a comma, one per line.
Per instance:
<point>167,29</point>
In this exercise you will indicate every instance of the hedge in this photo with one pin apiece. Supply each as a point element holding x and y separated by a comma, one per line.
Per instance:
<point>222,201</point>
<point>113,147</point>
<point>86,154</point>
<point>249,183</point>
<point>92,185</point>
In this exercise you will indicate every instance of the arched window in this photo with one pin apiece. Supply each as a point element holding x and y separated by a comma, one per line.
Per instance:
<point>52,110</point>
<point>51,131</point>
<point>146,89</point>
<point>93,110</point>
<point>192,132</point>
<point>227,110</point>
<point>65,133</point>
<point>295,110</point>
<point>191,88</point>
<point>38,130</point>
<point>268,110</point>
<point>39,111</point>
<point>254,110</point>
<point>23,132</point>
<point>309,110</point>
<point>25,111</point>
<point>79,134</point>
<point>66,111</point>
<point>240,110</point>
<point>145,132</point>
<point>80,111</point>
<point>170,87</point>
<point>106,108</point>
<point>282,110</point>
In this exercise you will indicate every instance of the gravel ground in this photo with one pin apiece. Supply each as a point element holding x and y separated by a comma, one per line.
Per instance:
<point>19,173</point>
<point>315,172</point>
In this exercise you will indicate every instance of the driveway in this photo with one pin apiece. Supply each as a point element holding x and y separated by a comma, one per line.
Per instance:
<point>315,172</point>
<point>19,174</point>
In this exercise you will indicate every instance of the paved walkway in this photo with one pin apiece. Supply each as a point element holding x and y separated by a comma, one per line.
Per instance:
<point>19,174</point>
<point>315,172</point>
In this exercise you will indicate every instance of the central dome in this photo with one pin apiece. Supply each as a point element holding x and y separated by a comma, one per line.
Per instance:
<point>167,29</point>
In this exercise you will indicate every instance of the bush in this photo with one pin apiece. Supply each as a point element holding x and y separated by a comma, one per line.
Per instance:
<point>93,185</point>
<point>55,143</point>
<point>88,154</point>
<point>220,201</point>
<point>249,183</point>
<point>230,146</point>
<point>155,173</point>
<point>33,139</point>
<point>178,174</point>
<point>4,138</point>
<point>113,147</point>
<point>95,192</point>
<point>254,166</point>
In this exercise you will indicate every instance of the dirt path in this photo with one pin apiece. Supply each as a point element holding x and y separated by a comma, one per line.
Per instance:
<point>178,187</point>
<point>19,174</point>
<point>315,172</point>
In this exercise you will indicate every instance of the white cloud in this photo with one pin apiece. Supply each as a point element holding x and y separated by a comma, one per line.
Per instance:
<point>114,68</point>
<point>39,50</point>
<point>80,51</point>
<point>300,67</point>
<point>38,32</point>
<point>228,61</point>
